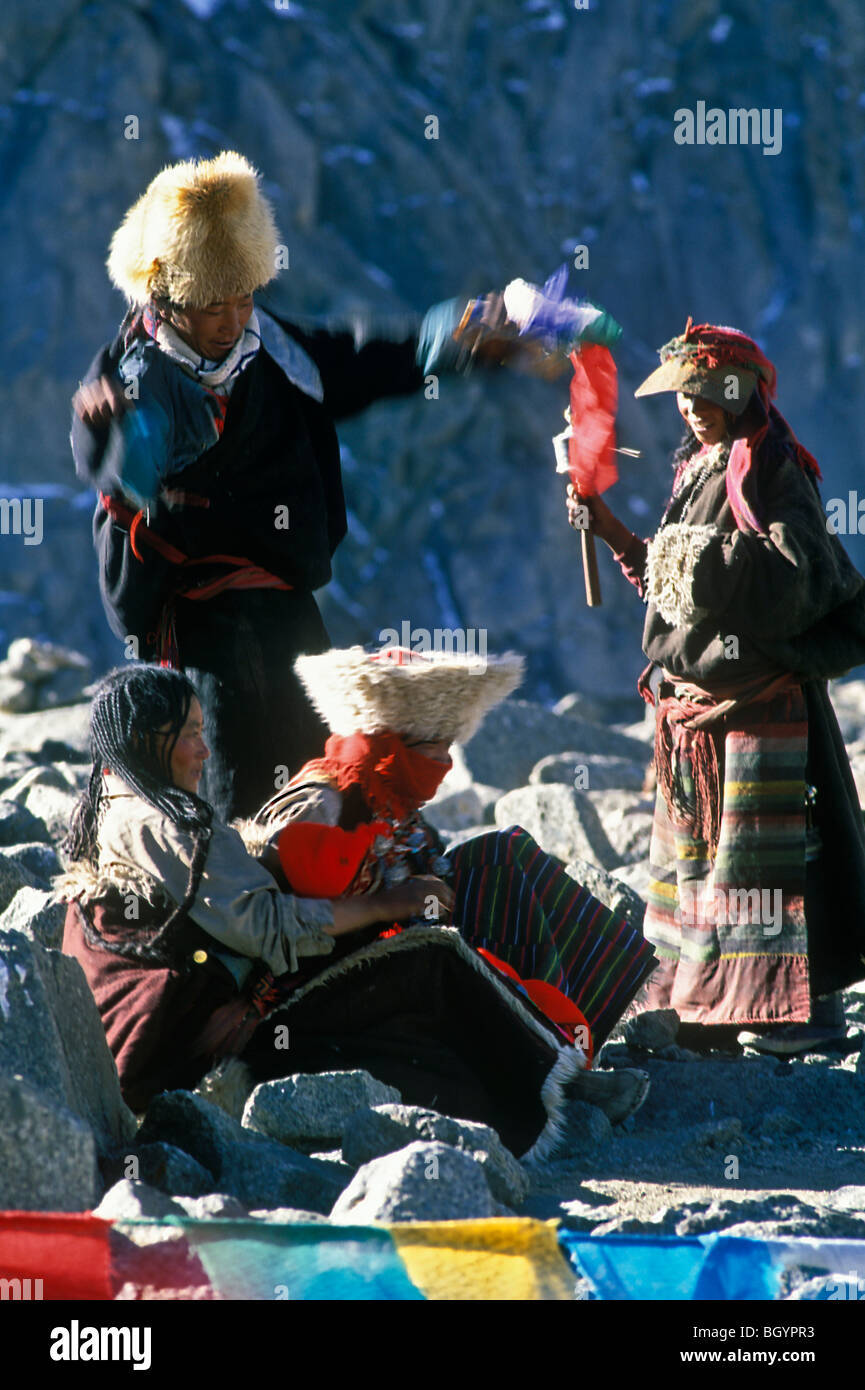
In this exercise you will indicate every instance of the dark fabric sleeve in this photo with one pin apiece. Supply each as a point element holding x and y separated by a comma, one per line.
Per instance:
<point>360,364</point>
<point>779,583</point>
<point>632,561</point>
<point>92,449</point>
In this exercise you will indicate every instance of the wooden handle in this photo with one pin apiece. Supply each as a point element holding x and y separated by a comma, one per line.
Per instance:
<point>590,569</point>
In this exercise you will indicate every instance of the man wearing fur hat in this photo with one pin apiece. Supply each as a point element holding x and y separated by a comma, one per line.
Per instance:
<point>207,427</point>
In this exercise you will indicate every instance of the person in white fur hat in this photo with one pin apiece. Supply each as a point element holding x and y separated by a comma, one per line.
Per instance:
<point>207,428</point>
<point>351,820</point>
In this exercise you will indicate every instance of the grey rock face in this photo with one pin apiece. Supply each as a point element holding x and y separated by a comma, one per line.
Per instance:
<point>47,1154</point>
<point>364,200</point>
<point>41,861</point>
<point>608,889</point>
<point>52,1036</point>
<point>138,1200</point>
<point>48,736</point>
<point>312,1108</point>
<point>589,771</point>
<point>635,876</point>
<point>49,796</point>
<point>34,912</point>
<point>13,877</point>
<point>563,821</point>
<point>607,828</point>
<point>171,1170</point>
<point>18,825</point>
<point>383,1129</point>
<point>824,1101</point>
<point>148,1256</point>
<point>627,821</point>
<point>37,675</point>
<point>257,1171</point>
<point>133,1200</point>
<point>16,696</point>
<point>422,1182</point>
<point>281,1215</point>
<point>517,735</point>
<point>653,1030</point>
<point>228,1085</point>
<point>585,1130</point>
<point>459,810</point>
<point>212,1206</point>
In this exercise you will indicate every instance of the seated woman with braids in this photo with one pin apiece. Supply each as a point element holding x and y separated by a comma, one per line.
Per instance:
<point>180,913</point>
<point>193,952</point>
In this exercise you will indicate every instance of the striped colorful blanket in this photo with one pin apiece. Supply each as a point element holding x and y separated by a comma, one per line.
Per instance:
<point>515,900</point>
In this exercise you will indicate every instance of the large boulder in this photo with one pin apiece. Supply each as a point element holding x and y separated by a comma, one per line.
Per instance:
<point>40,675</point>
<point>383,1129</point>
<point>609,889</point>
<point>517,734</point>
<point>258,1171</point>
<point>48,736</point>
<point>458,811</point>
<point>590,771</point>
<point>311,1109</point>
<point>626,817</point>
<point>17,824</point>
<point>147,1252</point>
<point>13,877</point>
<point>161,1166</point>
<point>564,822</point>
<point>48,1156</point>
<point>50,793</point>
<point>421,1182</point>
<point>51,1035</point>
<point>36,913</point>
<point>39,860</point>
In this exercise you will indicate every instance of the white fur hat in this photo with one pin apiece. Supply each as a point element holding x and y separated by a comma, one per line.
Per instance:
<point>201,232</point>
<point>425,696</point>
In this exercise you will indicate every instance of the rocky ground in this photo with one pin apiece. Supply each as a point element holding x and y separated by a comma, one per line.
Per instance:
<point>743,1144</point>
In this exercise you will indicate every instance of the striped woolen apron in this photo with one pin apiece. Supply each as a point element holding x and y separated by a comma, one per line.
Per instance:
<point>515,900</point>
<point>730,930</point>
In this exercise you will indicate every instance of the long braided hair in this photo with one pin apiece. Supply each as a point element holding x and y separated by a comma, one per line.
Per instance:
<point>136,718</point>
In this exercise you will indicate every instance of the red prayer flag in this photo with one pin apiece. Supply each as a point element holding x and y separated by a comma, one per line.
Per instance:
<point>56,1255</point>
<point>594,397</point>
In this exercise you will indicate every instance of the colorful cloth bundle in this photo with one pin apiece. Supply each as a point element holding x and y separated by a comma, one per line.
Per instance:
<point>517,902</point>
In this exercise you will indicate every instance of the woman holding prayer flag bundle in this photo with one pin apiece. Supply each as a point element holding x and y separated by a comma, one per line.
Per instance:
<point>756,904</point>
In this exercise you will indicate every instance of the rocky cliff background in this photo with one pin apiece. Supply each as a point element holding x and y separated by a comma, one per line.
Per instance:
<point>555,129</point>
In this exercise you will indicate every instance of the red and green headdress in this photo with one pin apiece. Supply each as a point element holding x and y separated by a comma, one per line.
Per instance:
<point>727,367</point>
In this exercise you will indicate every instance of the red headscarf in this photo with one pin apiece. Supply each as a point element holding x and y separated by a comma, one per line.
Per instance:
<point>395,779</point>
<point>713,346</point>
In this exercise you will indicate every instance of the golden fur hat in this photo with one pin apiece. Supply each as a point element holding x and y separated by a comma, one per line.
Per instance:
<point>201,232</point>
<point>424,696</point>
